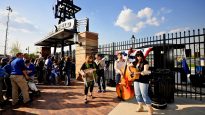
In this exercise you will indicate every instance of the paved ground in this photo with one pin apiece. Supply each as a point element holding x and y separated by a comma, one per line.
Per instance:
<point>181,106</point>
<point>67,100</point>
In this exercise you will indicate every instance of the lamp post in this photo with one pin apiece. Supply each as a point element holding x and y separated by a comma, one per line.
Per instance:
<point>133,41</point>
<point>27,49</point>
<point>7,27</point>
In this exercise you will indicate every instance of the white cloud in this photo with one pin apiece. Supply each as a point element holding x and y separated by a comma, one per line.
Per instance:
<point>3,13</point>
<point>175,30</point>
<point>165,10</point>
<point>146,12</point>
<point>125,19</point>
<point>160,33</point>
<point>22,20</point>
<point>138,26</point>
<point>153,21</point>
<point>20,30</point>
<point>130,21</point>
<point>163,18</point>
<point>2,26</point>
<point>17,22</point>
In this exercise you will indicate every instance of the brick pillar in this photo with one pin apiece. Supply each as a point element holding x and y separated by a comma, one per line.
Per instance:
<point>88,45</point>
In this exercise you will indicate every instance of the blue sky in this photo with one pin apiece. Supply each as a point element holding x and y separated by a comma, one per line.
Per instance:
<point>113,20</point>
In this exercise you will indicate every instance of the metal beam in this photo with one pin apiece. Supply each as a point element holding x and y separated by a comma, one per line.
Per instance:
<point>62,48</point>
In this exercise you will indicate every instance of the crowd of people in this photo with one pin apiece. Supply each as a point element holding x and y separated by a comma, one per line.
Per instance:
<point>18,72</point>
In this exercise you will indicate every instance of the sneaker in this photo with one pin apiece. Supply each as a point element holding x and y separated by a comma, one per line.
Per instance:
<point>140,109</point>
<point>16,106</point>
<point>28,103</point>
<point>99,91</point>
<point>104,91</point>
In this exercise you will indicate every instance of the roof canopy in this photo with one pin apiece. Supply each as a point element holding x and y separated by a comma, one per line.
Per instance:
<point>63,37</point>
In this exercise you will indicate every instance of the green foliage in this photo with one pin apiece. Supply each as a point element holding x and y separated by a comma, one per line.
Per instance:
<point>33,56</point>
<point>15,48</point>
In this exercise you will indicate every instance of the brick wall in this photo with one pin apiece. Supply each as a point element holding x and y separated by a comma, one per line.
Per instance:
<point>89,45</point>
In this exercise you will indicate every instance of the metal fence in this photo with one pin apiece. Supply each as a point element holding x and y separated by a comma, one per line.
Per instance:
<point>170,51</point>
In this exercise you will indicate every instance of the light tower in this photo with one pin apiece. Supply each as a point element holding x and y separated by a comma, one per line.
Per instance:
<point>7,27</point>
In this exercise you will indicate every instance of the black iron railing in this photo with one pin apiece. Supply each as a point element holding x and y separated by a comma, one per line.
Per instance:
<point>170,51</point>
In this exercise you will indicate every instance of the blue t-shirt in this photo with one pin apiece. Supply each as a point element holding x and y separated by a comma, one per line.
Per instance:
<point>7,68</point>
<point>2,72</point>
<point>31,68</point>
<point>17,66</point>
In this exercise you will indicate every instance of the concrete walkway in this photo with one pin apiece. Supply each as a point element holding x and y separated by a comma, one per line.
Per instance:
<point>68,100</point>
<point>181,106</point>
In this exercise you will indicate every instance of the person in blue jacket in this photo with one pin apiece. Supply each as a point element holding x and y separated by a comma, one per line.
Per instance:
<point>18,79</point>
<point>7,69</point>
<point>2,75</point>
<point>30,67</point>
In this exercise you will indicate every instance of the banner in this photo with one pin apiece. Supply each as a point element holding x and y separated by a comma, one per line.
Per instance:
<point>145,51</point>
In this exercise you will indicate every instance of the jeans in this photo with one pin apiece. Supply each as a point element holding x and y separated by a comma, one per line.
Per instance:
<point>67,78</point>
<point>90,85</point>
<point>141,92</point>
<point>101,74</point>
<point>40,75</point>
<point>1,88</point>
<point>117,78</point>
<point>18,81</point>
<point>8,87</point>
<point>48,74</point>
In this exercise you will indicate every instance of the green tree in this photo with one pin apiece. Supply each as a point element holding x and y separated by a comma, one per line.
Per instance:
<point>15,48</point>
<point>33,56</point>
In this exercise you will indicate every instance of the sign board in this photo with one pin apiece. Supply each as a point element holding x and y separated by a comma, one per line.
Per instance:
<point>68,24</point>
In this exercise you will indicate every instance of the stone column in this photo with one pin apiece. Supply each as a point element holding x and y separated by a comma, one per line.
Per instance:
<point>88,45</point>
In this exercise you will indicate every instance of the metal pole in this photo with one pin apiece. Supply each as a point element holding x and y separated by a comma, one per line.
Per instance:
<point>28,50</point>
<point>133,40</point>
<point>165,52</point>
<point>70,53</point>
<point>62,48</point>
<point>87,24</point>
<point>113,60</point>
<point>54,51</point>
<point>7,27</point>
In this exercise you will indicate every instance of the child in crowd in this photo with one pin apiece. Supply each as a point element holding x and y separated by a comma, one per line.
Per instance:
<point>55,73</point>
<point>31,72</point>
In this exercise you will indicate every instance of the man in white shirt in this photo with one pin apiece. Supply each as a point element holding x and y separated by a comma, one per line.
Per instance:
<point>48,67</point>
